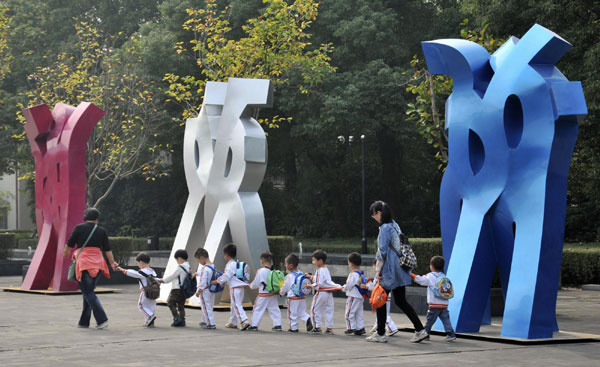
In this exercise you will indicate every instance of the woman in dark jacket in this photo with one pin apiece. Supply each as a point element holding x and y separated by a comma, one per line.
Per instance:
<point>392,276</point>
<point>90,263</point>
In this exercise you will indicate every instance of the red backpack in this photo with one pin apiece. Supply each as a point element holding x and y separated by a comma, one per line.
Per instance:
<point>378,297</point>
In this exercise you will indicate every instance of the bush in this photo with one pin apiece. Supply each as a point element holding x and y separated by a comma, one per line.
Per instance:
<point>25,243</point>
<point>7,243</point>
<point>280,247</point>
<point>121,247</point>
<point>580,265</point>
<point>424,249</point>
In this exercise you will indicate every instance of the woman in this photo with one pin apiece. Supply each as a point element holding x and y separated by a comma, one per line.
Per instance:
<point>392,277</point>
<point>89,264</point>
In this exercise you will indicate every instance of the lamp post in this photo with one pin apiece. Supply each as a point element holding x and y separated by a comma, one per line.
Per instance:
<point>342,139</point>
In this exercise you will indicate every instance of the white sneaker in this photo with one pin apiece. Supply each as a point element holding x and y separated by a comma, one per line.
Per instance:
<point>392,333</point>
<point>376,338</point>
<point>419,336</point>
<point>450,338</point>
<point>374,329</point>
<point>103,325</point>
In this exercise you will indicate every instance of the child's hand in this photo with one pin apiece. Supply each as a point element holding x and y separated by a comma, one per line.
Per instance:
<point>363,286</point>
<point>198,292</point>
<point>214,282</point>
<point>309,285</point>
<point>194,275</point>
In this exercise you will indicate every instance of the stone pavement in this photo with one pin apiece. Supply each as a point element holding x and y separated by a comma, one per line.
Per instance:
<point>38,330</point>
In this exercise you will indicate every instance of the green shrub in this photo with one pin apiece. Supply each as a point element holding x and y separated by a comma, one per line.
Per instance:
<point>121,247</point>
<point>580,265</point>
<point>7,244</point>
<point>424,249</point>
<point>280,247</point>
<point>27,242</point>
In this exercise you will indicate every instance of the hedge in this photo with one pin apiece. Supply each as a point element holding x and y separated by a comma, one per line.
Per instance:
<point>7,243</point>
<point>580,265</point>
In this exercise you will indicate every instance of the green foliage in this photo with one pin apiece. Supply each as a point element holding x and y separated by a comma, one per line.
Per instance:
<point>581,265</point>
<point>280,247</point>
<point>121,247</point>
<point>7,244</point>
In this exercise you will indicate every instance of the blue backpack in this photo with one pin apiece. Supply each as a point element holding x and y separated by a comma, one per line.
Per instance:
<point>241,270</point>
<point>189,284</point>
<point>299,287</point>
<point>215,288</point>
<point>363,280</point>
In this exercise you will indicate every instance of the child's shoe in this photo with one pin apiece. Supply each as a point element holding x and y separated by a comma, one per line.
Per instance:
<point>349,331</point>
<point>209,327</point>
<point>329,332</point>
<point>292,331</point>
<point>450,338</point>
<point>315,331</point>
<point>150,322</point>
<point>392,333</point>
<point>309,325</point>
<point>277,328</point>
<point>251,328</point>
<point>103,325</point>
<point>374,329</point>
<point>360,332</point>
<point>419,336</point>
<point>376,338</point>
<point>230,326</point>
<point>202,324</point>
<point>245,325</point>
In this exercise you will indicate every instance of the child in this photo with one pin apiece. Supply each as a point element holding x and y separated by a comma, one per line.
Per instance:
<point>323,299</point>
<point>176,300</point>
<point>389,323</point>
<point>296,304</point>
<point>207,298</point>
<point>355,323</point>
<point>438,307</point>
<point>145,305</point>
<point>265,300</point>
<point>236,288</point>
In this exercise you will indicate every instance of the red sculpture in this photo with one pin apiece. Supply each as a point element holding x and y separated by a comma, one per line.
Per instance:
<point>58,141</point>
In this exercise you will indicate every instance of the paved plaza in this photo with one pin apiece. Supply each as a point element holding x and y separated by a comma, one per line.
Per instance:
<point>38,330</point>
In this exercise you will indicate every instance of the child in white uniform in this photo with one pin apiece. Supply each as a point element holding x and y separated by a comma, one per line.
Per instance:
<point>355,323</point>
<point>390,325</point>
<point>265,300</point>
<point>322,303</point>
<point>237,287</point>
<point>296,304</point>
<point>145,305</point>
<point>206,272</point>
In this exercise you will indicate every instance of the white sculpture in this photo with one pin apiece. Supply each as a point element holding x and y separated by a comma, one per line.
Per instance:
<point>225,159</point>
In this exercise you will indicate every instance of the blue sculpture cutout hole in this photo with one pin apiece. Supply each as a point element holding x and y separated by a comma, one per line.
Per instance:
<point>58,172</point>
<point>513,121</point>
<point>514,228</point>
<point>460,210</point>
<point>196,154</point>
<point>476,152</point>
<point>228,162</point>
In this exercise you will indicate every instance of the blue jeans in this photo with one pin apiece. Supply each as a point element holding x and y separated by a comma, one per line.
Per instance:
<point>444,315</point>
<point>87,284</point>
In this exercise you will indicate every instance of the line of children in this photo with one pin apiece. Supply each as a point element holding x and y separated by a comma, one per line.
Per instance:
<point>322,305</point>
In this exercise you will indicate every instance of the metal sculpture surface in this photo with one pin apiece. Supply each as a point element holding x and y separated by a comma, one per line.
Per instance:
<point>58,141</point>
<point>512,123</point>
<point>225,159</point>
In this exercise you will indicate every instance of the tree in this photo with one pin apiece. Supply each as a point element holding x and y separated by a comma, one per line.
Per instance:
<point>276,45</point>
<point>5,53</point>
<point>122,144</point>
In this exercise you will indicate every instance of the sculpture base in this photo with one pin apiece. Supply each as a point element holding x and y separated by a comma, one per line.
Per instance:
<point>221,307</point>
<point>491,333</point>
<point>51,292</point>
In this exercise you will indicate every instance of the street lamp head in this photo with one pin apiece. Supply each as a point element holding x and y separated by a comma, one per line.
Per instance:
<point>351,139</point>
<point>341,139</point>
<point>362,137</point>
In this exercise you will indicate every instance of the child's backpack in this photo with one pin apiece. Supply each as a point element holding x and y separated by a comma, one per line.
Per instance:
<point>241,270</point>
<point>189,285</point>
<point>378,297</point>
<point>363,280</point>
<point>152,288</point>
<point>443,288</point>
<point>299,287</point>
<point>275,281</point>
<point>215,288</point>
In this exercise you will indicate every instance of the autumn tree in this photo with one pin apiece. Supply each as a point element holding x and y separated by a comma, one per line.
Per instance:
<point>122,145</point>
<point>275,46</point>
<point>5,54</point>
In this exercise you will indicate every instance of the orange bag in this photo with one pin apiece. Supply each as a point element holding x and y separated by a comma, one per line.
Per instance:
<point>378,297</point>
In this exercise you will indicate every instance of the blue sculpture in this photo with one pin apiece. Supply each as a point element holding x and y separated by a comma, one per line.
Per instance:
<point>512,124</point>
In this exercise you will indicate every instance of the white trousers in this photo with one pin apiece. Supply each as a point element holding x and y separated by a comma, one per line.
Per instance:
<point>238,315</point>
<point>207,302</point>
<point>296,312</point>
<point>270,304</point>
<point>354,314</point>
<point>322,304</point>
<point>389,323</point>
<point>146,306</point>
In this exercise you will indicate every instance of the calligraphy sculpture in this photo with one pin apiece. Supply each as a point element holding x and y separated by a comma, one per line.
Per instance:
<point>225,159</point>
<point>58,141</point>
<point>512,123</point>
